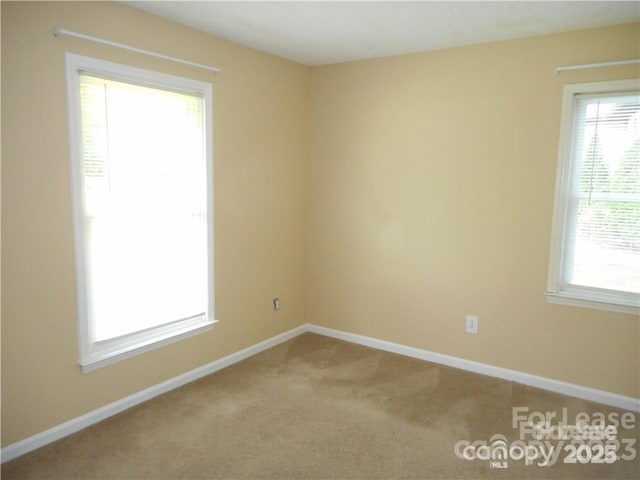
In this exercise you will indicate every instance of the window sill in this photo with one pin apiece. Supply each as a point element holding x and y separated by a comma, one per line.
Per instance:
<point>101,357</point>
<point>596,300</point>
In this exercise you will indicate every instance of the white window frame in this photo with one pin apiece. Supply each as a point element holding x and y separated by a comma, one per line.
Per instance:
<point>93,355</point>
<point>558,290</point>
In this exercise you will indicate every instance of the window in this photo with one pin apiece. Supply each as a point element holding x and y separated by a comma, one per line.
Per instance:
<point>595,258</point>
<point>141,163</point>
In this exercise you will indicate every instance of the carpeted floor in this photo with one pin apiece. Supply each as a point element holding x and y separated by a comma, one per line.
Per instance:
<point>316,407</point>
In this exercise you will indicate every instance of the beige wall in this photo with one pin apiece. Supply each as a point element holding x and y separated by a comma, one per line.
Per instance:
<point>357,167</point>
<point>431,197</point>
<point>261,146</point>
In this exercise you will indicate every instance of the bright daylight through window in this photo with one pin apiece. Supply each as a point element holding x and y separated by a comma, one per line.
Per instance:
<point>596,240</point>
<point>142,179</point>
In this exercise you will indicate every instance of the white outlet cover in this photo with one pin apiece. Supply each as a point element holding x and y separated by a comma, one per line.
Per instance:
<point>472,324</point>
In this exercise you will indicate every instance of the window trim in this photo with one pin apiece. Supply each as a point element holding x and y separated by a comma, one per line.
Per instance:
<point>558,291</point>
<point>93,355</point>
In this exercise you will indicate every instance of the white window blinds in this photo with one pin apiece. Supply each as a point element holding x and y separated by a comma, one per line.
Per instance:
<point>603,248</point>
<point>145,200</point>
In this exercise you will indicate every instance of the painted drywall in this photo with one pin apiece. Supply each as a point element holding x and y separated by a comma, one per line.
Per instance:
<point>431,197</point>
<point>260,152</point>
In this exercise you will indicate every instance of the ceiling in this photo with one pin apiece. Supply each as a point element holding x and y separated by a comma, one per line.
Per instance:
<point>320,33</point>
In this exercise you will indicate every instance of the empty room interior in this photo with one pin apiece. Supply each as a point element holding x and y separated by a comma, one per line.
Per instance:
<point>355,262</point>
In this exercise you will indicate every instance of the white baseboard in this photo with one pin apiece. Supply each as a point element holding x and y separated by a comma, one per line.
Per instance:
<point>570,389</point>
<point>76,424</point>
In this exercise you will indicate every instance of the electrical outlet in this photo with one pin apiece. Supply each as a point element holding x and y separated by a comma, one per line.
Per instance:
<point>472,324</point>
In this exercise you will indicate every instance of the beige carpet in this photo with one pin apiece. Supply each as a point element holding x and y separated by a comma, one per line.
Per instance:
<point>316,407</point>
